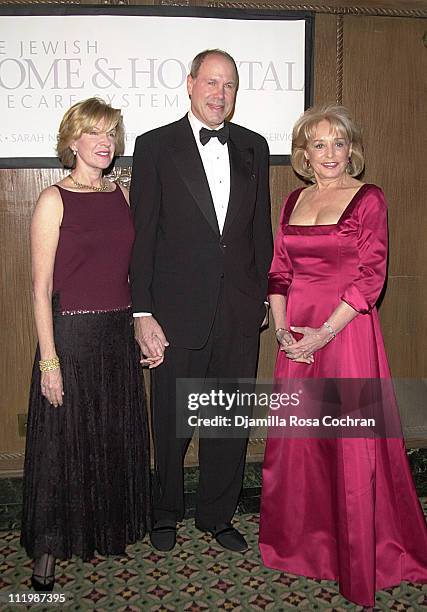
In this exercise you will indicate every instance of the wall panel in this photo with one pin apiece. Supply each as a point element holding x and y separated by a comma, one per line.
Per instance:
<point>385,67</point>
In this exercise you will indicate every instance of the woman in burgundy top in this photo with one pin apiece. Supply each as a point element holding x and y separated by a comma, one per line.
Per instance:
<point>86,480</point>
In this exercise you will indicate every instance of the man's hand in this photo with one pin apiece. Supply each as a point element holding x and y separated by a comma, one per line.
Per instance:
<point>151,339</point>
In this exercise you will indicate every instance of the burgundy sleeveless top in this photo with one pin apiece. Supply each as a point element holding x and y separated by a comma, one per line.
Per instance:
<point>93,254</point>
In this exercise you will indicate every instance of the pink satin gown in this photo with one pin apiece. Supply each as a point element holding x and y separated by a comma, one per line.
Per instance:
<point>343,509</point>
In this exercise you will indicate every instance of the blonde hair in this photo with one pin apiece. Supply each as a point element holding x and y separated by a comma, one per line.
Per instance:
<point>82,118</point>
<point>341,123</point>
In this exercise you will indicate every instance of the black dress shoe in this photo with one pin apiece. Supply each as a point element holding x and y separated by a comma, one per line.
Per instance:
<point>163,535</point>
<point>43,587</point>
<point>43,577</point>
<point>228,537</point>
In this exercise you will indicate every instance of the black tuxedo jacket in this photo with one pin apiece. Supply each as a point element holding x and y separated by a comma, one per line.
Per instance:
<point>180,260</point>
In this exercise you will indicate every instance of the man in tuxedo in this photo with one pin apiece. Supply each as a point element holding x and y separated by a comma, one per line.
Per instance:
<point>201,204</point>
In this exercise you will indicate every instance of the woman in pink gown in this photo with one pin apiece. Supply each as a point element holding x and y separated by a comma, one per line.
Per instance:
<point>340,509</point>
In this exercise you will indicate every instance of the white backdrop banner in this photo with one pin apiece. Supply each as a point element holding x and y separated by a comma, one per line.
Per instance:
<point>139,63</point>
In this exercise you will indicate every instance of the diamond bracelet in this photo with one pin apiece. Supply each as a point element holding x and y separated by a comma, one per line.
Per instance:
<point>330,329</point>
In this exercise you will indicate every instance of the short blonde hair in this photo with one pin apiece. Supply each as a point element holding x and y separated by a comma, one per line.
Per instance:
<point>341,122</point>
<point>82,118</point>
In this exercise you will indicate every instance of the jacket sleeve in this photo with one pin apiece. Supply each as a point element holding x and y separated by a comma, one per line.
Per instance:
<point>280,275</point>
<point>372,242</point>
<point>263,239</point>
<point>145,199</point>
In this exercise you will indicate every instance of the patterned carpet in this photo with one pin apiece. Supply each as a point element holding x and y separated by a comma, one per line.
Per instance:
<point>196,576</point>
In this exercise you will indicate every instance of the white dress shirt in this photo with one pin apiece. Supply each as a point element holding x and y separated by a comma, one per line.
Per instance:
<point>216,163</point>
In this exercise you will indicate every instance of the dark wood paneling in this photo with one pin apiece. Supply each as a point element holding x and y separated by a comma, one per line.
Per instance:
<point>403,321</point>
<point>19,190</point>
<point>372,7</point>
<point>385,63</point>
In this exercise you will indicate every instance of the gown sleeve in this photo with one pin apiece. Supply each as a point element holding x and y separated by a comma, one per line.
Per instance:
<point>363,292</point>
<point>280,275</point>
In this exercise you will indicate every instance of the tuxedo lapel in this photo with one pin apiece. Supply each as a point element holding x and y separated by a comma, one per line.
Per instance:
<point>187,160</point>
<point>241,165</point>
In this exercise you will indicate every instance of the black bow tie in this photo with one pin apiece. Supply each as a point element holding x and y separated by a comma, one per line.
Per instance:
<point>205,135</point>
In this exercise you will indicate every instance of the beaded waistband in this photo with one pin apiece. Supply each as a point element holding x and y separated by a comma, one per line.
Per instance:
<point>79,312</point>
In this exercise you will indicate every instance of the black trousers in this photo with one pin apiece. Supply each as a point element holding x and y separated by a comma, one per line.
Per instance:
<point>228,353</point>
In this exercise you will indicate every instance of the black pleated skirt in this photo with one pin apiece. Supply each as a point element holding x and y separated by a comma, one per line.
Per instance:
<point>87,473</point>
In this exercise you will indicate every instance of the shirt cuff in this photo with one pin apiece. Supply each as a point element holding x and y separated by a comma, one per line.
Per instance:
<point>142,314</point>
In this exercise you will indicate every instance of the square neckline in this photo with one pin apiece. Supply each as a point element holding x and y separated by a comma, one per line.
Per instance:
<point>294,198</point>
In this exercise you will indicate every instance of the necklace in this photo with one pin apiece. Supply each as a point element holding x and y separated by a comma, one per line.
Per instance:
<point>104,185</point>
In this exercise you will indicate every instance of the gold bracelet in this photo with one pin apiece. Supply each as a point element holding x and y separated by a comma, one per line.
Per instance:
<point>47,365</point>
